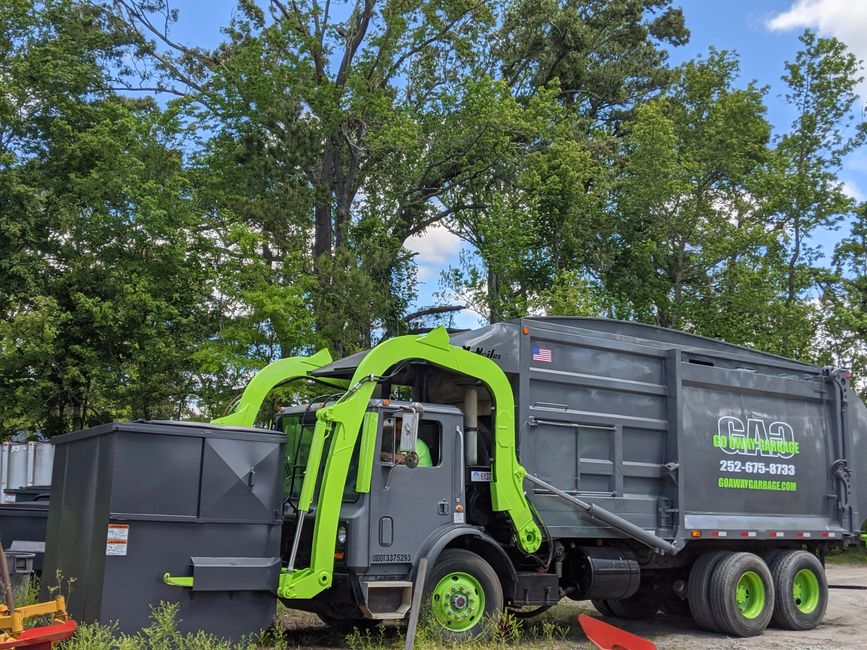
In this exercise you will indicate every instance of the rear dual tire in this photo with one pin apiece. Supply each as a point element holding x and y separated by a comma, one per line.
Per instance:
<point>801,590</point>
<point>739,594</point>
<point>698,589</point>
<point>742,595</point>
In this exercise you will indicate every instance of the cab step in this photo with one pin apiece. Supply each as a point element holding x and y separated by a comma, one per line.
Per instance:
<point>386,599</point>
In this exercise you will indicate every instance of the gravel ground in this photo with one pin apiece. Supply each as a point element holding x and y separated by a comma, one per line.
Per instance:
<point>845,624</point>
<point>844,627</point>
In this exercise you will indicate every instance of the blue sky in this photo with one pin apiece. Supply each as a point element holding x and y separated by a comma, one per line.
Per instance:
<point>763,32</point>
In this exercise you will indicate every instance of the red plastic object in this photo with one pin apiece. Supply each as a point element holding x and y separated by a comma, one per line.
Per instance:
<point>608,637</point>
<point>41,638</point>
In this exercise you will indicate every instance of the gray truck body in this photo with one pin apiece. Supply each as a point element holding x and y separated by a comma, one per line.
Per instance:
<point>687,437</point>
<point>678,433</point>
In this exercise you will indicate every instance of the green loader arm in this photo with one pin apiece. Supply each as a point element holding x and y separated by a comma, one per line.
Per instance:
<point>267,378</point>
<point>343,420</point>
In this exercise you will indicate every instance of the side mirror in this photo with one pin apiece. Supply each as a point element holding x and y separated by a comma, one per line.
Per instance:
<point>409,434</point>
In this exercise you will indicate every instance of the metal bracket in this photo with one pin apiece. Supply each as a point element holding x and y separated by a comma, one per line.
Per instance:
<point>177,581</point>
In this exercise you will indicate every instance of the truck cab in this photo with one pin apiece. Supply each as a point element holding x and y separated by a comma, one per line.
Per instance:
<point>408,499</point>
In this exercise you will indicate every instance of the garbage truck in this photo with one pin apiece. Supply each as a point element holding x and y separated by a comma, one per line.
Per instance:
<point>457,475</point>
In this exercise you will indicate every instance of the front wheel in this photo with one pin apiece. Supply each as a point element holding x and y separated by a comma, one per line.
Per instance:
<point>462,590</point>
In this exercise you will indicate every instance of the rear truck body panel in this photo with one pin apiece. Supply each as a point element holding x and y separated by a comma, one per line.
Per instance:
<point>677,433</point>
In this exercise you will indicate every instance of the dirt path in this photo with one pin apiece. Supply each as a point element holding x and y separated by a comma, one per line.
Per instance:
<point>845,624</point>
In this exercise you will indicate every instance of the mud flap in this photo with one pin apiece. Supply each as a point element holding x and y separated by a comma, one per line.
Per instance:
<point>608,637</point>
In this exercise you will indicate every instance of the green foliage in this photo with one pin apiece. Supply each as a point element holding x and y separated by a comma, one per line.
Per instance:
<point>845,299</point>
<point>103,286</point>
<point>153,255</point>
<point>804,191</point>
<point>161,634</point>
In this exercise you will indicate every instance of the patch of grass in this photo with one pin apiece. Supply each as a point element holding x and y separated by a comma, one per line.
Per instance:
<point>161,634</point>
<point>853,555</point>
<point>556,628</point>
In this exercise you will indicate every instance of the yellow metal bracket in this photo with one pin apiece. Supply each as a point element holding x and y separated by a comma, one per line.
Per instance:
<point>12,623</point>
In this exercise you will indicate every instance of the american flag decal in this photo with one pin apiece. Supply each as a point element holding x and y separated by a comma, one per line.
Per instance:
<point>541,354</point>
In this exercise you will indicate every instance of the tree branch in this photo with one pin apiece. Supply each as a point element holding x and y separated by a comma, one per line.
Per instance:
<point>432,311</point>
<point>354,39</point>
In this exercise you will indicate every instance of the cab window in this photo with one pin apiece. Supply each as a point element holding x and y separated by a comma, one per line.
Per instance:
<point>428,448</point>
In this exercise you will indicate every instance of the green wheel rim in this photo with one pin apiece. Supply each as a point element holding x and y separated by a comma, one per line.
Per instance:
<point>458,601</point>
<point>805,590</point>
<point>750,594</point>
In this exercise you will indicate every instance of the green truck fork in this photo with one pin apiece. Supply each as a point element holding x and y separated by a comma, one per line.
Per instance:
<point>343,420</point>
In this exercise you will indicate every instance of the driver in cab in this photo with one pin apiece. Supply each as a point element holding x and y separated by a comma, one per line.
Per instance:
<point>390,429</point>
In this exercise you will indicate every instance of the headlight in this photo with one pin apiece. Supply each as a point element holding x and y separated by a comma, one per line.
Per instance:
<point>341,535</point>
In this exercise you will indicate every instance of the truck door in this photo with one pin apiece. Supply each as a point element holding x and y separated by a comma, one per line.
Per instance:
<point>406,504</point>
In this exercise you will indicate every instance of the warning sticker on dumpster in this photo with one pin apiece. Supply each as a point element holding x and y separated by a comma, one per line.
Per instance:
<point>117,540</point>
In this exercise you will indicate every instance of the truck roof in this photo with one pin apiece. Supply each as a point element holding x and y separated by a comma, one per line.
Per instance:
<point>501,342</point>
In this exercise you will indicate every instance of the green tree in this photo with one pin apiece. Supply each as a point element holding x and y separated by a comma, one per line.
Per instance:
<point>687,228</point>
<point>542,219</point>
<point>604,56</point>
<point>845,299</point>
<point>105,293</point>
<point>804,189</point>
<point>375,122</point>
<point>350,126</point>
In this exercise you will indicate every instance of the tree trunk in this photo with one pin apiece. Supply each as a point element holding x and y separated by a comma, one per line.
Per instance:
<point>321,229</point>
<point>793,261</point>
<point>494,315</point>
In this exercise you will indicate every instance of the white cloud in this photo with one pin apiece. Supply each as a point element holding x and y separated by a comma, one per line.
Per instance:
<point>435,248</point>
<point>851,189</point>
<point>843,19</point>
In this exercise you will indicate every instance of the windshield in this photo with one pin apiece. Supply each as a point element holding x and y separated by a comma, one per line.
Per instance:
<point>298,428</point>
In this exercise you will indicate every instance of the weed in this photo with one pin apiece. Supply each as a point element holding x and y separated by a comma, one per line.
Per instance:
<point>27,593</point>
<point>368,639</point>
<point>504,629</point>
<point>92,636</point>
<point>852,555</point>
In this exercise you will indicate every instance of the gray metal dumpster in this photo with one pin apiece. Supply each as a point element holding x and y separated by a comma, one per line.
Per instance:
<point>22,528</point>
<point>132,503</point>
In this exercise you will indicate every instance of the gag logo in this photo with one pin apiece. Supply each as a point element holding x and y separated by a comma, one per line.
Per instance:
<point>776,440</point>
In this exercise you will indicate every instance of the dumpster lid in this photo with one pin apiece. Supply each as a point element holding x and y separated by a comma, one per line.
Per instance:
<point>176,428</point>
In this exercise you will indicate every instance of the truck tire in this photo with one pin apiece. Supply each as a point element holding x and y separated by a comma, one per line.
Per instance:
<point>461,592</point>
<point>742,595</point>
<point>641,605</point>
<point>768,556</point>
<point>801,588</point>
<point>698,589</point>
<point>602,607</point>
